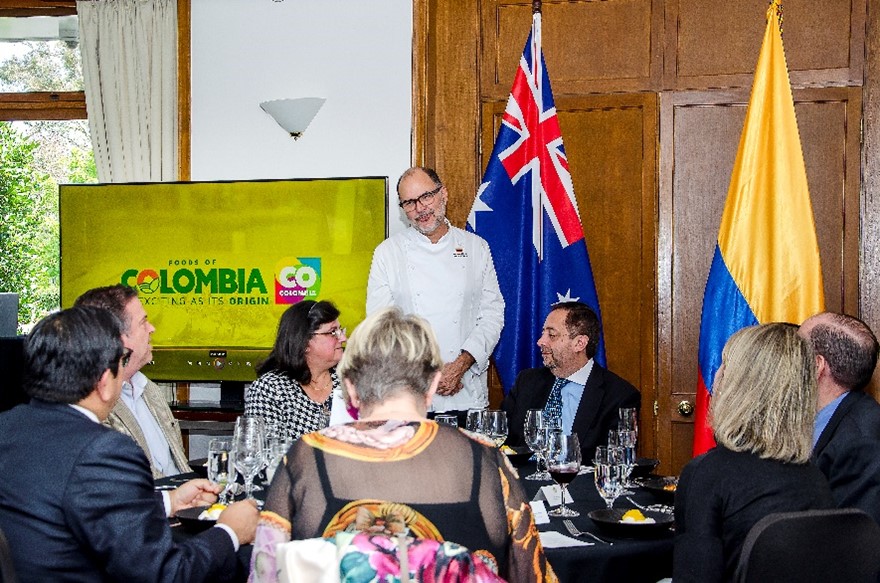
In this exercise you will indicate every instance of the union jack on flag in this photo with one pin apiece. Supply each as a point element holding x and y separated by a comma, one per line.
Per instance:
<point>526,210</point>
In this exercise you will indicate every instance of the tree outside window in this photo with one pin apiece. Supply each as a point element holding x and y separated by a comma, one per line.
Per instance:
<point>42,145</point>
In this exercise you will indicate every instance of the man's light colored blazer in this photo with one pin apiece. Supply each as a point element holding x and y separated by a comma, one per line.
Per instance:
<point>123,420</point>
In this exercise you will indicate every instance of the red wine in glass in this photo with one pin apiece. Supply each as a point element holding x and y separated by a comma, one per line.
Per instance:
<point>564,463</point>
<point>563,475</point>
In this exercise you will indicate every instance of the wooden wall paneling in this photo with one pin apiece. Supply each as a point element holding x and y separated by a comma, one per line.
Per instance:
<point>448,136</point>
<point>716,44</point>
<point>611,148</point>
<point>184,89</point>
<point>870,194</point>
<point>420,66</point>
<point>590,46</point>
<point>696,166</point>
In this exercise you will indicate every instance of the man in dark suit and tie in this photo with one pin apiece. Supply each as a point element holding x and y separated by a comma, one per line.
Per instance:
<point>846,433</point>
<point>76,499</point>
<point>590,395</point>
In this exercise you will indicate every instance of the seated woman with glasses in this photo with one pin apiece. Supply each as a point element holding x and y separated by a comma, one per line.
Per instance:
<point>393,474</point>
<point>762,409</point>
<point>294,390</point>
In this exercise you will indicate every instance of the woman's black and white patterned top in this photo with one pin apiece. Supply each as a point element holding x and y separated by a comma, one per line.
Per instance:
<point>283,403</point>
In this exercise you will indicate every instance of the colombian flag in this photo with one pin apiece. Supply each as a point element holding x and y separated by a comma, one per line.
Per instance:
<point>766,265</point>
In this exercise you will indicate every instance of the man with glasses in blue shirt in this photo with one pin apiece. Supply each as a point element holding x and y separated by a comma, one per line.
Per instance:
<point>445,275</point>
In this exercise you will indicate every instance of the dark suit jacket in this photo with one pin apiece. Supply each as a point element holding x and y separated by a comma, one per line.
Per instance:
<point>848,453</point>
<point>604,393</point>
<point>77,504</point>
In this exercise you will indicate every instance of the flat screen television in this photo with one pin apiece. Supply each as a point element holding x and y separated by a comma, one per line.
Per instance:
<point>217,263</point>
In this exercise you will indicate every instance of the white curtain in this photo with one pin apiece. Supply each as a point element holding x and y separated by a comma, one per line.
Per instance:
<point>129,58</point>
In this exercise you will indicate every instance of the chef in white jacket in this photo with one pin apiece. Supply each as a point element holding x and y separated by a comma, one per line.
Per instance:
<point>445,275</point>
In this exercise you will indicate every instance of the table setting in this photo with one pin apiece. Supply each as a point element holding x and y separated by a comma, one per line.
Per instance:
<point>242,464</point>
<point>600,521</point>
<point>580,506</point>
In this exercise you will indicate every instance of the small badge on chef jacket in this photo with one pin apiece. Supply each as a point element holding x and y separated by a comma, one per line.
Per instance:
<point>459,252</point>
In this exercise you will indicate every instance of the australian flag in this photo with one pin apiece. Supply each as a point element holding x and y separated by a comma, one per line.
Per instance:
<point>526,210</point>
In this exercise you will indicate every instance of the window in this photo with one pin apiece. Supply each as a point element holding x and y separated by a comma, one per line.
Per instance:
<point>44,141</point>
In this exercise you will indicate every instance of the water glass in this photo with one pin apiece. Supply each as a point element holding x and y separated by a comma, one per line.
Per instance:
<point>564,463</point>
<point>627,442</point>
<point>608,473</point>
<point>475,419</point>
<point>535,433</point>
<point>496,426</point>
<point>629,419</point>
<point>450,420</point>
<point>616,439</point>
<point>220,467</point>
<point>609,482</point>
<point>276,453</point>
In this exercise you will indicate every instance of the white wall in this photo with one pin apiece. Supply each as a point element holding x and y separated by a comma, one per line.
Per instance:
<point>355,53</point>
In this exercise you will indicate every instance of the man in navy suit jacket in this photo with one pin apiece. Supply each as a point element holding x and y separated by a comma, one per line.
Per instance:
<point>76,498</point>
<point>846,436</point>
<point>591,396</point>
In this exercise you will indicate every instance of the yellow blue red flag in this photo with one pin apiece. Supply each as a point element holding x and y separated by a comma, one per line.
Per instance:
<point>766,265</point>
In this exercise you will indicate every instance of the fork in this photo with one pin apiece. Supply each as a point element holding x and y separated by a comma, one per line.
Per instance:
<point>573,530</point>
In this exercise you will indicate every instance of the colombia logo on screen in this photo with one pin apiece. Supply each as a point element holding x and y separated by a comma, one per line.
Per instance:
<point>297,279</point>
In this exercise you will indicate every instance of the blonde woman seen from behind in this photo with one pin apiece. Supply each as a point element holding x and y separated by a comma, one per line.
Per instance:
<point>762,409</point>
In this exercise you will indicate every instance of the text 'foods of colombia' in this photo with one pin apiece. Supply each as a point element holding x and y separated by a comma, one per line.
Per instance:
<point>296,279</point>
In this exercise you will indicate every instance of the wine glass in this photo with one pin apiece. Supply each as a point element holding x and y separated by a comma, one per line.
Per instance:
<point>474,420</point>
<point>249,445</point>
<point>564,462</point>
<point>276,450</point>
<point>220,470</point>
<point>496,426</point>
<point>536,438</point>
<point>608,473</point>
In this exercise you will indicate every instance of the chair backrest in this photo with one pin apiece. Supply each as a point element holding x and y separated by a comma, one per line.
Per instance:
<point>813,545</point>
<point>7,571</point>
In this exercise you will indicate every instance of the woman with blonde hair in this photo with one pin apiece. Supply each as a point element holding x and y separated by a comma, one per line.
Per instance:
<point>393,473</point>
<point>762,410</point>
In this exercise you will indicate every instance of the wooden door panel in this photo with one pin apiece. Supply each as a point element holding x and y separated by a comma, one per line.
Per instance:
<point>716,44</point>
<point>589,45</point>
<point>693,191</point>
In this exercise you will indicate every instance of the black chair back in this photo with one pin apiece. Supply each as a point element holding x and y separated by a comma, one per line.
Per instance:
<point>812,546</point>
<point>12,372</point>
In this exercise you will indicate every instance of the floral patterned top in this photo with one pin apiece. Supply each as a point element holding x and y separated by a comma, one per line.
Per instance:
<point>395,478</point>
<point>282,402</point>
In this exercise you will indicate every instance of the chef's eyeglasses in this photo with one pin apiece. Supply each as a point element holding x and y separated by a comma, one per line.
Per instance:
<point>423,199</point>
